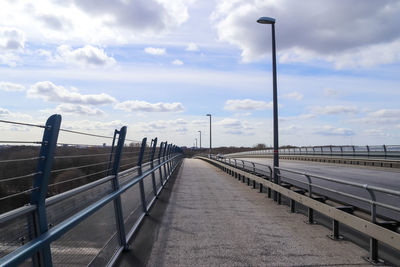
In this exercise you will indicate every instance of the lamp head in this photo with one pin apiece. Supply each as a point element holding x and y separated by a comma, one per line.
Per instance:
<point>208,115</point>
<point>266,20</point>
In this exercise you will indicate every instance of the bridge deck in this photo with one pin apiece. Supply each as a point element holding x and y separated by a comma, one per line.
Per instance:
<point>207,218</point>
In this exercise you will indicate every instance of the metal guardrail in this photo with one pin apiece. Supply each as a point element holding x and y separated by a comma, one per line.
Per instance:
<point>383,151</point>
<point>309,183</point>
<point>90,224</point>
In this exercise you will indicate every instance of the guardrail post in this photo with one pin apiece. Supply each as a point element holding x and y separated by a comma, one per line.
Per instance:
<point>119,219</point>
<point>41,181</point>
<point>159,162</point>
<point>141,184</point>
<point>153,176</point>
<point>373,243</point>
<point>310,211</point>
<point>269,191</point>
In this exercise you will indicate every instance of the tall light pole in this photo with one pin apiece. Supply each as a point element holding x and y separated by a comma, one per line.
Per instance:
<point>271,21</point>
<point>200,138</point>
<point>210,132</point>
<point>196,143</point>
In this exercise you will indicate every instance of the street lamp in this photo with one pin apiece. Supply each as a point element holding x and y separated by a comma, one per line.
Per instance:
<point>271,21</point>
<point>196,143</point>
<point>200,138</point>
<point>210,132</point>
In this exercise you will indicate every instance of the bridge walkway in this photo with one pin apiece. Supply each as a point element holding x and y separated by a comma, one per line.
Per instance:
<point>207,218</point>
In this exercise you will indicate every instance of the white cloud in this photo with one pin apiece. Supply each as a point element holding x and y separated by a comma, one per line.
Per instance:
<point>331,92</point>
<point>375,132</point>
<point>246,104</point>
<point>92,125</point>
<point>12,43</point>
<point>235,126</point>
<point>294,95</point>
<point>178,126</point>
<point>79,110</point>
<point>332,110</point>
<point>298,117</point>
<point>155,51</point>
<point>382,116</point>
<point>192,47</point>
<point>4,111</point>
<point>87,55</point>
<point>368,28</point>
<point>177,62</point>
<point>50,92</point>
<point>328,130</point>
<point>56,23</point>
<point>11,39</point>
<point>136,105</point>
<point>11,87</point>
<point>93,22</point>
<point>15,115</point>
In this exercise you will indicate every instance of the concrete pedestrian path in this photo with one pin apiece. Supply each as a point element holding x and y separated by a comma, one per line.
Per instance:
<point>212,219</point>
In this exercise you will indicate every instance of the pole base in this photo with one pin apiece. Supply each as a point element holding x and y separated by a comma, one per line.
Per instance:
<point>378,262</point>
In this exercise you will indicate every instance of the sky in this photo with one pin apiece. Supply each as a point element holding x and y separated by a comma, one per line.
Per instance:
<point>159,66</point>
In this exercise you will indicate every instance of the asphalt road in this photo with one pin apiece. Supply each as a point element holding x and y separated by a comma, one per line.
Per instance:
<point>381,177</point>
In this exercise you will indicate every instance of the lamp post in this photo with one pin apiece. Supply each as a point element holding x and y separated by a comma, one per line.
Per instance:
<point>196,143</point>
<point>200,138</point>
<point>271,21</point>
<point>210,132</point>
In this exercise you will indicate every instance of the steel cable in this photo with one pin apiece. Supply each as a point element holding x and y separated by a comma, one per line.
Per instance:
<point>80,167</point>
<point>19,177</point>
<point>87,134</point>
<point>78,178</point>
<point>19,193</point>
<point>24,124</point>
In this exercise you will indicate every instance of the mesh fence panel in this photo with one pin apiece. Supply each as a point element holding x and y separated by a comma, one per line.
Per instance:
<point>64,209</point>
<point>80,246</point>
<point>131,206</point>
<point>16,233</point>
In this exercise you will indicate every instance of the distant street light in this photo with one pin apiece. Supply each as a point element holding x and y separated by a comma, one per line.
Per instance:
<point>271,21</point>
<point>200,138</point>
<point>210,131</point>
<point>196,143</point>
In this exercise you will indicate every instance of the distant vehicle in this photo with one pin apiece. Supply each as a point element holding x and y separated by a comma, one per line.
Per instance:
<point>220,156</point>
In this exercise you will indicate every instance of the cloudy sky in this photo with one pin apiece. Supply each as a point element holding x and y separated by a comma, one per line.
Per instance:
<point>159,66</point>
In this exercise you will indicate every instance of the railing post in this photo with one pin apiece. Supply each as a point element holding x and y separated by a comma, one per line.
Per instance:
<point>165,167</point>
<point>119,219</point>
<point>41,181</point>
<point>141,184</point>
<point>153,176</point>
<point>159,162</point>
<point>168,156</point>
<point>368,151</point>
<point>385,151</point>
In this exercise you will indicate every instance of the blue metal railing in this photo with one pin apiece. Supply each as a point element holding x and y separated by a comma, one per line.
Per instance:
<point>381,152</point>
<point>92,223</point>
